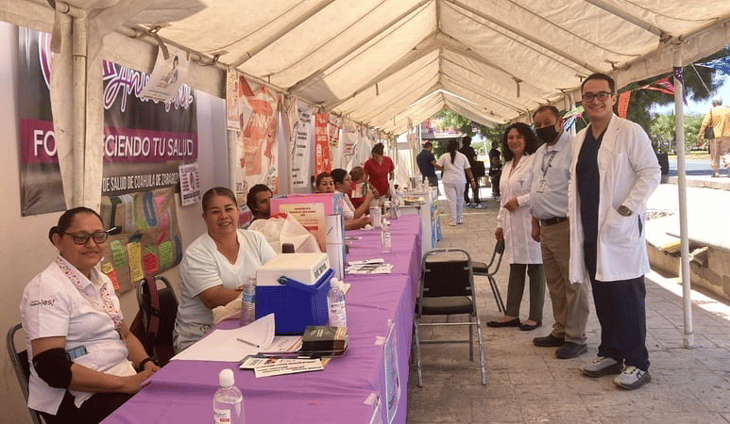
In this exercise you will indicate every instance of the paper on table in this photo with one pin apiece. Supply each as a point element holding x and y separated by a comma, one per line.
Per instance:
<point>224,346</point>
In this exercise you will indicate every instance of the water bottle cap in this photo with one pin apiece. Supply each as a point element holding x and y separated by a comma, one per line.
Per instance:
<point>226,378</point>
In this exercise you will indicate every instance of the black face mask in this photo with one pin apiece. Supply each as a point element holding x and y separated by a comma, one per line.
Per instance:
<point>547,134</point>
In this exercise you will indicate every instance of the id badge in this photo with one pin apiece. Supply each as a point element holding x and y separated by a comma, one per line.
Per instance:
<point>76,352</point>
<point>541,186</point>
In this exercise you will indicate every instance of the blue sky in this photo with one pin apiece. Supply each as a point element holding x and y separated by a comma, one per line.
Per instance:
<point>693,108</point>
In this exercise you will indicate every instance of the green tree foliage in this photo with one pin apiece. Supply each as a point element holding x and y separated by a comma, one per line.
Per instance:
<point>662,132</point>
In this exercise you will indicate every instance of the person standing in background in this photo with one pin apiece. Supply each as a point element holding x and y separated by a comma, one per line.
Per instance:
<point>614,171</point>
<point>719,119</point>
<point>455,168</point>
<point>427,165</point>
<point>471,156</point>
<point>495,170</point>
<point>379,170</point>
<point>550,228</point>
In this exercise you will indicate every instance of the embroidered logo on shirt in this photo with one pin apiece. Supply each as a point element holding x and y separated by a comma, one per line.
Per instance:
<point>43,302</point>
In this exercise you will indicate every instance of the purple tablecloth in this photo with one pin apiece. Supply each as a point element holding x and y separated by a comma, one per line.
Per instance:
<point>182,391</point>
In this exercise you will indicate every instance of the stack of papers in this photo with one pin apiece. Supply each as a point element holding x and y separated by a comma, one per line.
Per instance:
<point>265,366</point>
<point>369,266</point>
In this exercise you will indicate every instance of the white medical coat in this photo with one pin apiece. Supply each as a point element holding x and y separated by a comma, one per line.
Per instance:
<point>628,174</point>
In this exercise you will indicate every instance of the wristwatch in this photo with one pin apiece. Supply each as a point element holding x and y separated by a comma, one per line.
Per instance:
<point>623,210</point>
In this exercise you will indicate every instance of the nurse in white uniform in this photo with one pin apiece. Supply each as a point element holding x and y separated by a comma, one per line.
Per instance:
<point>216,266</point>
<point>85,362</point>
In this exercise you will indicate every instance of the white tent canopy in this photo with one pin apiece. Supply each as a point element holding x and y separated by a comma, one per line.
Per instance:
<point>380,62</point>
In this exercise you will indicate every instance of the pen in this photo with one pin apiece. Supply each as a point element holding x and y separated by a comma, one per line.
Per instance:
<point>247,342</point>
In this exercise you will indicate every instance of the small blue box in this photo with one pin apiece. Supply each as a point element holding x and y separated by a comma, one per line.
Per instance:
<point>295,305</point>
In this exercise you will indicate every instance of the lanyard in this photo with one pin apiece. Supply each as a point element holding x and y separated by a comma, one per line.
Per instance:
<point>545,168</point>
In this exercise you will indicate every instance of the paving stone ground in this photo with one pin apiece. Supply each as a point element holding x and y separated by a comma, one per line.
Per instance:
<point>528,384</point>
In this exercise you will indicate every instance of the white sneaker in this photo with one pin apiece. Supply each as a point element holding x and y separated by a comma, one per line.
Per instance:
<point>459,222</point>
<point>601,366</point>
<point>632,378</point>
<point>452,224</point>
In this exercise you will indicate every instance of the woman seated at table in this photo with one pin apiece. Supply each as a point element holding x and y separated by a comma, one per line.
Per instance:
<point>216,266</point>
<point>325,183</point>
<point>84,358</point>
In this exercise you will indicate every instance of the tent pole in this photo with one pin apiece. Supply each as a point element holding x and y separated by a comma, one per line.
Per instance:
<point>688,337</point>
<point>79,46</point>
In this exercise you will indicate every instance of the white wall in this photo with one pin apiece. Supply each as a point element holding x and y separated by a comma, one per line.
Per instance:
<point>25,249</point>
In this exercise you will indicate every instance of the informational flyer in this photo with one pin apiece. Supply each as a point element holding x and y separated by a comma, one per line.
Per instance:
<point>392,377</point>
<point>168,74</point>
<point>301,142</point>
<point>189,184</point>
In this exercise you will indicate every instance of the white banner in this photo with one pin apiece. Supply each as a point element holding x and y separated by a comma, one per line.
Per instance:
<point>301,145</point>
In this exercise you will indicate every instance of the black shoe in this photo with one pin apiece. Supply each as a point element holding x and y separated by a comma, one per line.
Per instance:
<point>571,350</point>
<point>548,341</point>
<point>530,327</point>
<point>511,323</point>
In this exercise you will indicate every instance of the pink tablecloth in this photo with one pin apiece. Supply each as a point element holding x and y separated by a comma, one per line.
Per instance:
<point>182,391</point>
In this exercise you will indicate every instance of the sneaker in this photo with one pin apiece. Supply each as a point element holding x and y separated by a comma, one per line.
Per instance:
<point>632,378</point>
<point>571,350</point>
<point>459,222</point>
<point>481,206</point>
<point>467,204</point>
<point>601,366</point>
<point>452,224</point>
<point>548,341</point>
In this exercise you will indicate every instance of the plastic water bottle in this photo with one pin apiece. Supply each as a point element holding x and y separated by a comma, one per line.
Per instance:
<point>248,302</point>
<point>385,237</point>
<point>336,304</point>
<point>228,400</point>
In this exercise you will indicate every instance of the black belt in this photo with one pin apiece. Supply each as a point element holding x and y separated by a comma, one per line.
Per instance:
<point>551,221</point>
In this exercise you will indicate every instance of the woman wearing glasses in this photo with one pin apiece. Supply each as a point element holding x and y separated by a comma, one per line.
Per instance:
<point>85,361</point>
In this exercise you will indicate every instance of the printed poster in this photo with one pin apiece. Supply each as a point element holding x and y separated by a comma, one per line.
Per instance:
<point>146,240</point>
<point>301,142</point>
<point>168,74</point>
<point>189,184</point>
<point>144,140</point>
<point>322,161</point>
<point>255,150</point>
<point>392,377</point>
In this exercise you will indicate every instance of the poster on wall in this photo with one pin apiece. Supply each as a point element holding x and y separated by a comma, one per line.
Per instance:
<point>145,239</point>
<point>189,184</point>
<point>256,153</point>
<point>322,161</point>
<point>41,190</point>
<point>171,68</point>
<point>144,140</point>
<point>301,145</point>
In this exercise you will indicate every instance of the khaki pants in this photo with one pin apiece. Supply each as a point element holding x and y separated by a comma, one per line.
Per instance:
<point>719,146</point>
<point>570,301</point>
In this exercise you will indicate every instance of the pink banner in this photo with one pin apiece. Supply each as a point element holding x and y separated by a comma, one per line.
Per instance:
<point>138,145</point>
<point>37,143</point>
<point>322,161</point>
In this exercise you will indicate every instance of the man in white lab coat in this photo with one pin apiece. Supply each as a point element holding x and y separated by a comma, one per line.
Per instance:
<point>614,172</point>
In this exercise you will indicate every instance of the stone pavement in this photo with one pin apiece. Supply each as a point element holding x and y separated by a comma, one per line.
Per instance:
<point>527,384</point>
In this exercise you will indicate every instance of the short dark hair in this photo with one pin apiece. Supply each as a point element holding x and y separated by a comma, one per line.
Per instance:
<point>217,191</point>
<point>531,143</point>
<point>466,141</point>
<point>378,149</point>
<point>543,108</point>
<point>338,175</point>
<point>357,172</point>
<point>67,218</point>
<point>427,144</point>
<point>600,76</point>
<point>252,192</point>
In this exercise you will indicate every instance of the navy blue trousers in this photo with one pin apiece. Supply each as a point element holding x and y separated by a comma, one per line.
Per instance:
<point>621,310</point>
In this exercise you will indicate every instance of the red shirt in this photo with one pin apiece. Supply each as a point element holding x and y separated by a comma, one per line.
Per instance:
<point>378,174</point>
<point>356,201</point>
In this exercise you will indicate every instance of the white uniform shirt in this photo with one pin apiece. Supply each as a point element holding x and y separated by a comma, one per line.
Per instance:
<point>549,198</point>
<point>51,306</point>
<point>519,247</point>
<point>203,267</point>
<point>348,210</point>
<point>453,173</point>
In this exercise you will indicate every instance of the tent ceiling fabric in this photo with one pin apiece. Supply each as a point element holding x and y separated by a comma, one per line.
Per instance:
<point>381,62</point>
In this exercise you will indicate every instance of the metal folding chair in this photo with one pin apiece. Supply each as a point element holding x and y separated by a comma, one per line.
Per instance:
<point>447,288</point>
<point>19,359</point>
<point>482,269</point>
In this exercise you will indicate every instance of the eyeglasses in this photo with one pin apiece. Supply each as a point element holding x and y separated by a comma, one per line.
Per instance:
<point>601,95</point>
<point>83,238</point>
